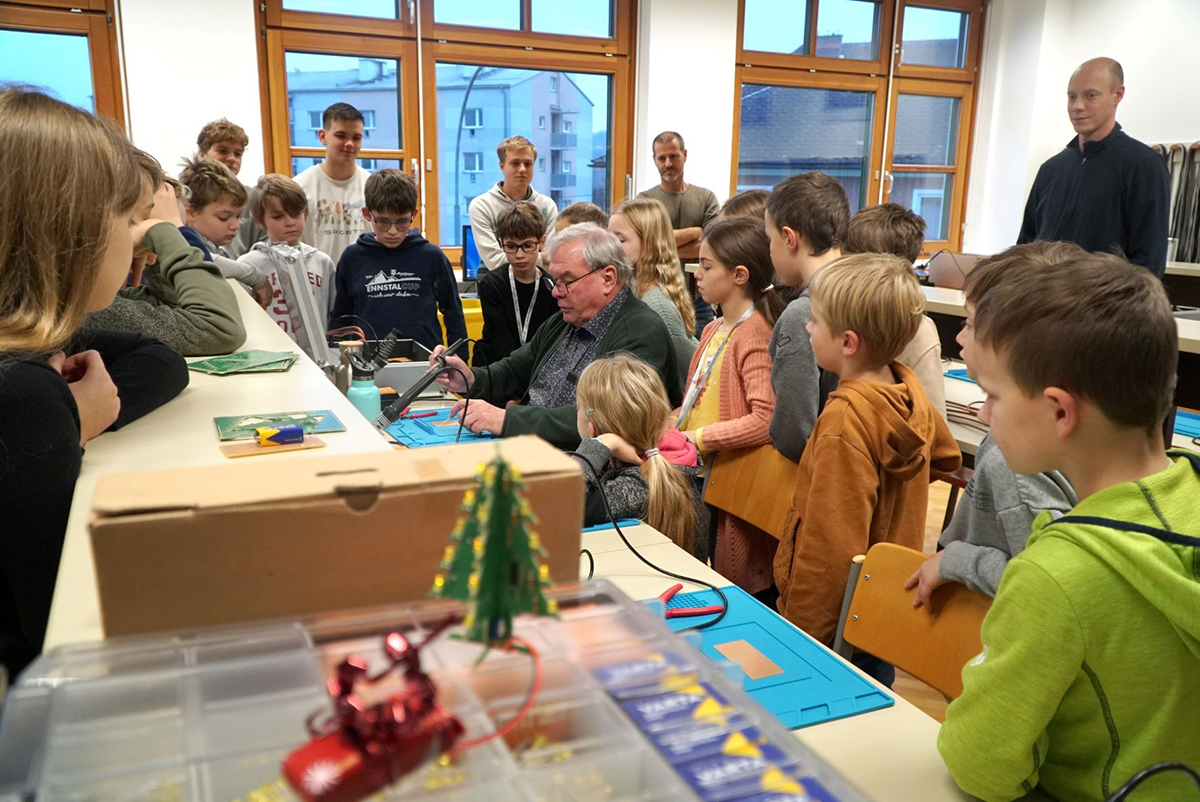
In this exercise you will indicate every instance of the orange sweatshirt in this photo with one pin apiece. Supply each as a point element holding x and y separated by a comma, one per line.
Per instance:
<point>863,479</point>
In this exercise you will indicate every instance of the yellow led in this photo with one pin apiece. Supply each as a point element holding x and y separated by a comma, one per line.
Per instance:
<point>473,581</point>
<point>535,542</point>
<point>478,544</point>
<point>439,581</point>
<point>448,555</point>
<point>544,571</point>
<point>552,606</point>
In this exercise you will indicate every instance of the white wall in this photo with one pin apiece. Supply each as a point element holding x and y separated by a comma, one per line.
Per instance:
<point>1032,47</point>
<point>185,67</point>
<point>686,52</point>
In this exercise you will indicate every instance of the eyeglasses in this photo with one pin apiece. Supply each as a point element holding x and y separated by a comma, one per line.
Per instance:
<point>382,224</point>
<point>529,246</point>
<point>565,286</point>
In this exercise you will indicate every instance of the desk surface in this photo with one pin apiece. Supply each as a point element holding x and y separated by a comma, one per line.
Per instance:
<point>890,754</point>
<point>181,435</point>
<point>1191,269</point>
<point>950,302</point>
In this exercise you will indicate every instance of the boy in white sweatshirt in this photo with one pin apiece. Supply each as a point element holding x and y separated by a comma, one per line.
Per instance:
<point>299,274</point>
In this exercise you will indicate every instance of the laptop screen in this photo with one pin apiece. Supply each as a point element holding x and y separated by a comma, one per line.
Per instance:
<point>470,255</point>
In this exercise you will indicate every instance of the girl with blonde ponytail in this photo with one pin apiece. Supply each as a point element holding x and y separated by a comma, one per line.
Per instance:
<point>644,229</point>
<point>623,415</point>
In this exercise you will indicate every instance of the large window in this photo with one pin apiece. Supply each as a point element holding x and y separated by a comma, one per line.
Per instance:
<point>67,52</point>
<point>828,92</point>
<point>512,100</point>
<point>489,69</point>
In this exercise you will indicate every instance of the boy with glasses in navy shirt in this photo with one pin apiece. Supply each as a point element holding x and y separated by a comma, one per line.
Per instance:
<point>392,277</point>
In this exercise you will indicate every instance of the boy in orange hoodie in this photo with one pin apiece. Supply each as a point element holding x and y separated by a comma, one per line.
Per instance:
<point>865,473</point>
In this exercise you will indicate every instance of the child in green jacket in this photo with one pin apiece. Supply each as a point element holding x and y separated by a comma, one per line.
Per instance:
<point>1090,668</point>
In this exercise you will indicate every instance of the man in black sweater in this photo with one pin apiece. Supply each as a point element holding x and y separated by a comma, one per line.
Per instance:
<point>1106,191</point>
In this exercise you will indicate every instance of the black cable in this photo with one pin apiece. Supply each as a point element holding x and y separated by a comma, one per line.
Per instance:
<point>591,563</point>
<point>1148,772</point>
<point>613,520</point>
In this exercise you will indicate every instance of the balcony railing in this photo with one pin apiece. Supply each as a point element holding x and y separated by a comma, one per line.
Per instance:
<point>563,141</point>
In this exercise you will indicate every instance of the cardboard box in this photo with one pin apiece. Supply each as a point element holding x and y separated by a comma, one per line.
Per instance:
<point>201,546</point>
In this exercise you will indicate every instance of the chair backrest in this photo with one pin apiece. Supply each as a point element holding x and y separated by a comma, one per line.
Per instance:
<point>754,484</point>
<point>471,260</point>
<point>950,270</point>
<point>931,644</point>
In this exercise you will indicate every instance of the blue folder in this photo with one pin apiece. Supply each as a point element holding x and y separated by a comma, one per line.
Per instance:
<point>960,374</point>
<point>815,685</point>
<point>1187,423</point>
<point>422,432</point>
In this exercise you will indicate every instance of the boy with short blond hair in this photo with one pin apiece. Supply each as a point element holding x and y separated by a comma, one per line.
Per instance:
<point>517,159</point>
<point>336,187</point>
<point>891,228</point>
<point>516,299</point>
<point>807,217</point>
<point>1090,668</point>
<point>213,209</point>
<point>393,278</point>
<point>300,276</point>
<point>864,477</point>
<point>226,142</point>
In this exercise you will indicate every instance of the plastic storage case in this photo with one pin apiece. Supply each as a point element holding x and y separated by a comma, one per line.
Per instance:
<point>211,715</point>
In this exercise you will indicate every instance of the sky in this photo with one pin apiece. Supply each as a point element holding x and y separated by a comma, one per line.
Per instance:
<point>581,17</point>
<point>54,61</point>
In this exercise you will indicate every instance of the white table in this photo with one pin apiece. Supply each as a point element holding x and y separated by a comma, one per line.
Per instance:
<point>950,302</point>
<point>181,434</point>
<point>891,754</point>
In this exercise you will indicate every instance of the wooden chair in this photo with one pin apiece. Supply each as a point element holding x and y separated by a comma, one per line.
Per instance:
<point>878,617</point>
<point>957,481</point>
<point>755,484</point>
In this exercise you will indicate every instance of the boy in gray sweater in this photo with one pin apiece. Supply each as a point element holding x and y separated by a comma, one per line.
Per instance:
<point>995,516</point>
<point>807,218</point>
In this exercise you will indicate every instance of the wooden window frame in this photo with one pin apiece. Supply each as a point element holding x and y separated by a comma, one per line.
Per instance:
<point>53,16</point>
<point>970,70</point>
<point>281,41</point>
<point>619,44</point>
<point>762,58</point>
<point>965,92</point>
<point>621,118</point>
<point>284,30</point>
<point>804,80</point>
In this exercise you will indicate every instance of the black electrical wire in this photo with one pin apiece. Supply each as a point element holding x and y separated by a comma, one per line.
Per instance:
<point>613,520</point>
<point>591,563</point>
<point>374,334</point>
<point>1158,768</point>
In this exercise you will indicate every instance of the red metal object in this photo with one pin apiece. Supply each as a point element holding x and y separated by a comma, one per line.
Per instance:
<point>685,612</point>
<point>360,749</point>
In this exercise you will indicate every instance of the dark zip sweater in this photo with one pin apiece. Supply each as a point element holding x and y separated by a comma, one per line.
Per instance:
<point>1113,195</point>
<point>398,288</point>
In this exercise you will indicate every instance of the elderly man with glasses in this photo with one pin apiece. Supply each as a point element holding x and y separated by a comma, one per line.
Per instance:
<point>600,316</point>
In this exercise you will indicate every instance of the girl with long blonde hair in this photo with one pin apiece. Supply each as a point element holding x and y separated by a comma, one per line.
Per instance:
<point>75,205</point>
<point>644,230</point>
<point>623,415</point>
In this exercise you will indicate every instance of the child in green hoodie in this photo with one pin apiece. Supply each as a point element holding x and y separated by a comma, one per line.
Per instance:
<point>1090,668</point>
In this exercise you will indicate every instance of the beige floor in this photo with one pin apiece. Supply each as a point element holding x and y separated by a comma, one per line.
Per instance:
<point>913,690</point>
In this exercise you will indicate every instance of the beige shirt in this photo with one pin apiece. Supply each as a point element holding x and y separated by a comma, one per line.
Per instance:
<point>924,355</point>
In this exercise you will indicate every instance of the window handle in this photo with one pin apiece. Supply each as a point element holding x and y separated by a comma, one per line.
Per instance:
<point>888,179</point>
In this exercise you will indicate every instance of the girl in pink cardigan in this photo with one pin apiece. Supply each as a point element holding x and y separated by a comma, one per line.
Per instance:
<point>729,399</point>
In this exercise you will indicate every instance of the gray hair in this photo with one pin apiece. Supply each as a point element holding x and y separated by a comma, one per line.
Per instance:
<point>601,248</point>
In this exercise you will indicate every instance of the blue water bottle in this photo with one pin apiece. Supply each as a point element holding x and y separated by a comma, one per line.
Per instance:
<point>363,393</point>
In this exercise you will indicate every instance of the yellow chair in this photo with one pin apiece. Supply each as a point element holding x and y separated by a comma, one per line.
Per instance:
<point>473,313</point>
<point>754,484</point>
<point>878,617</point>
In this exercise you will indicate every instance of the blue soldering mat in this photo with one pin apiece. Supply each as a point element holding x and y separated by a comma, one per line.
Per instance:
<point>812,685</point>
<point>960,374</point>
<point>436,430</point>
<point>1187,423</point>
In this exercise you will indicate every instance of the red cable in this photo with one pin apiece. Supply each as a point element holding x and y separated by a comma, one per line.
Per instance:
<point>525,708</point>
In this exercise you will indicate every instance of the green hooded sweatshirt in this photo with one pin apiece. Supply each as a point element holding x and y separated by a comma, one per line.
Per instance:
<point>1090,669</point>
